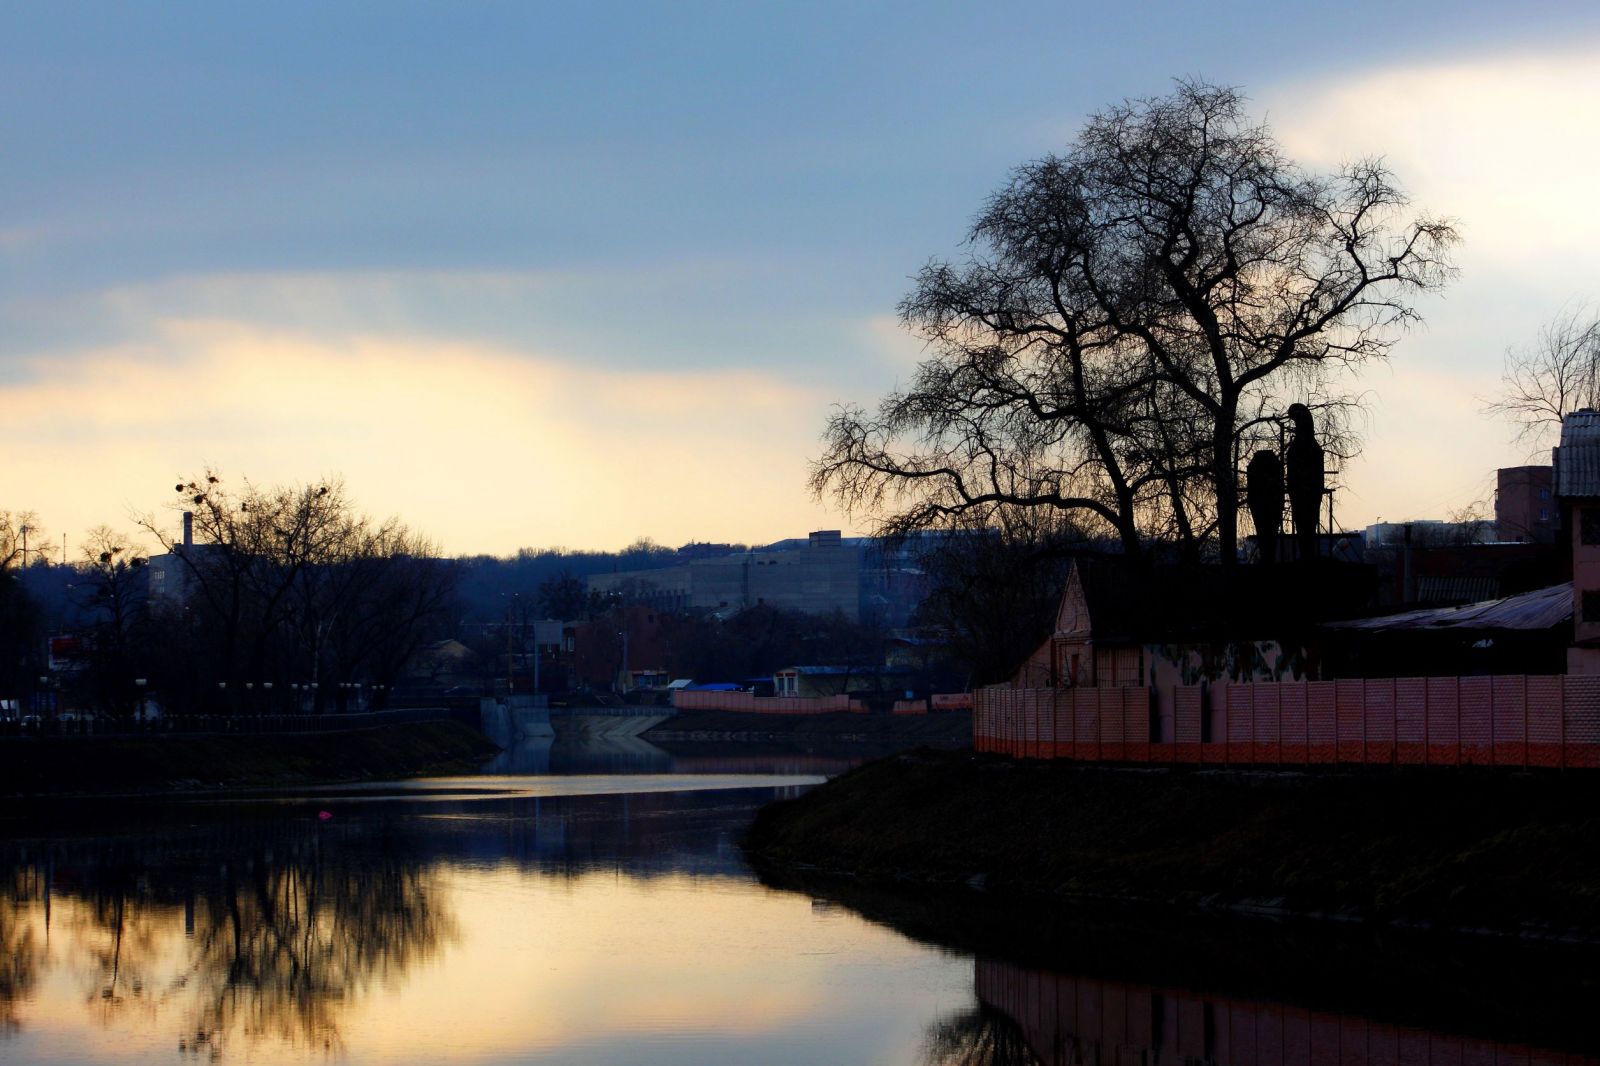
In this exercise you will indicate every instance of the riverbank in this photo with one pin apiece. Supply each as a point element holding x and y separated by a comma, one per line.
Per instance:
<point>944,730</point>
<point>35,766</point>
<point>1467,851</point>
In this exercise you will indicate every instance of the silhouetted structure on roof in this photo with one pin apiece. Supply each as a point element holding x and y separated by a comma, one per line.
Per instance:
<point>1305,477</point>
<point>1264,493</point>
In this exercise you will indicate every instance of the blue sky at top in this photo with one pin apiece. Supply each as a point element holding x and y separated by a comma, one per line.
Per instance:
<point>702,214</point>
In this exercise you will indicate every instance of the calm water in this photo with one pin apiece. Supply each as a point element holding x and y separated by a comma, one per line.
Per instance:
<point>521,918</point>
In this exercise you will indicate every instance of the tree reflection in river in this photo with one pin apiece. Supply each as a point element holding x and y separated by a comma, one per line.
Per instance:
<point>978,1036</point>
<point>260,933</point>
<point>21,948</point>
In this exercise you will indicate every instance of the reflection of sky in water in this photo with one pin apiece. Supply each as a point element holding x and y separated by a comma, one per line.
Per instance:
<point>616,927</point>
<point>589,920</point>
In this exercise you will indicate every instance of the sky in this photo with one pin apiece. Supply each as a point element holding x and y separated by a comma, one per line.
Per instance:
<point>541,275</point>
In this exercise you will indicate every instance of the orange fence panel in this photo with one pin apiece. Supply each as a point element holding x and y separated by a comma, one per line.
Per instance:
<point>1111,738</point>
<point>1292,722</point>
<point>1136,704</point>
<point>1411,721</point>
<point>1086,724</point>
<point>1379,696</point>
<point>1477,721</point>
<point>1544,721</point>
<point>1322,722</point>
<point>1581,720</point>
<point>1186,705</point>
<point>1444,721</point>
<point>1061,711</point>
<point>1240,723</point>
<point>1510,720</point>
<point>1266,708</point>
<point>1351,708</point>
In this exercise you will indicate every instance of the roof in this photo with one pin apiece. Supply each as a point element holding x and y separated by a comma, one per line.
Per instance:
<point>1577,459</point>
<point>1540,609</point>
<point>1131,603</point>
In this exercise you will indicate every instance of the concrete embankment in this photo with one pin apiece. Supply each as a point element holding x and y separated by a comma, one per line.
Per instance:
<point>112,765</point>
<point>950,729</point>
<point>1451,849</point>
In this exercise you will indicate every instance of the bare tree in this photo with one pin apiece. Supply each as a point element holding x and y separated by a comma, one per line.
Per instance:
<point>1132,317</point>
<point>1556,375</point>
<point>290,584</point>
<point>21,535</point>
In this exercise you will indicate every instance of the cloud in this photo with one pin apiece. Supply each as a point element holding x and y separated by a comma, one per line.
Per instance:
<point>1504,144</point>
<point>485,447</point>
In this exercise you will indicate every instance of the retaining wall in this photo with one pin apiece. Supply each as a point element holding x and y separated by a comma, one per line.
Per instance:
<point>1509,720</point>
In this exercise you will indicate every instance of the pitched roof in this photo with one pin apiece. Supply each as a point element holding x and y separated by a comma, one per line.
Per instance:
<point>1540,609</point>
<point>1577,458</point>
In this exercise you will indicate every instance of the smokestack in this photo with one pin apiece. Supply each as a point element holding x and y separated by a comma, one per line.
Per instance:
<point>188,529</point>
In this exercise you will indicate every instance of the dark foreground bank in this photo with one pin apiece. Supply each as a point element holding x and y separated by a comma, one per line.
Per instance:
<point>112,765</point>
<point>1479,851</point>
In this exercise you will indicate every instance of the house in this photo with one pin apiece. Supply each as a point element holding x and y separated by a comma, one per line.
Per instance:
<point>1126,625</point>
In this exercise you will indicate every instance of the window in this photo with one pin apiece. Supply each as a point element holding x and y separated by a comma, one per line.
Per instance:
<point>1544,514</point>
<point>1544,494</point>
<point>1591,605</point>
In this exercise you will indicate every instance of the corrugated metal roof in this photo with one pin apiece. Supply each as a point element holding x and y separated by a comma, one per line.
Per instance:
<point>1541,609</point>
<point>1577,460</point>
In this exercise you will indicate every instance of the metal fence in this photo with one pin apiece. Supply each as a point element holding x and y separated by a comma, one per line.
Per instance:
<point>218,724</point>
<point>1517,720</point>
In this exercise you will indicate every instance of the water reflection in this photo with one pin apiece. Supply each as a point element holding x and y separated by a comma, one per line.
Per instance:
<point>261,932</point>
<point>621,924</point>
<point>978,1036</point>
<point>1062,1020</point>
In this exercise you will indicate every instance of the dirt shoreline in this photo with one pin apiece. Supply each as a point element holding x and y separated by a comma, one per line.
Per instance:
<point>1480,852</point>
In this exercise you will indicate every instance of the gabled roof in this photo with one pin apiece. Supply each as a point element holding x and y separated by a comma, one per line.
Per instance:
<point>1577,458</point>
<point>1540,609</point>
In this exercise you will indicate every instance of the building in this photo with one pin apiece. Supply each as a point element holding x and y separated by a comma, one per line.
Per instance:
<point>826,573</point>
<point>1123,624</point>
<point>1576,487</point>
<point>1524,504</point>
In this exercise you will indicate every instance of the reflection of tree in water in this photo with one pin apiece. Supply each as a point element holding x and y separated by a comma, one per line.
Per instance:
<point>21,948</point>
<point>977,1036</point>
<point>282,931</point>
<point>288,939</point>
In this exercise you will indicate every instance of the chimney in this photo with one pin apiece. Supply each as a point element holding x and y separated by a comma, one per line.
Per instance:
<point>188,529</point>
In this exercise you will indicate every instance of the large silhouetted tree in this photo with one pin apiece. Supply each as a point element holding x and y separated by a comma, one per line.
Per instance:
<point>1133,316</point>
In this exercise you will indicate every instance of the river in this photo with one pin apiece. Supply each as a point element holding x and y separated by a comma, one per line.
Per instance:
<point>580,914</point>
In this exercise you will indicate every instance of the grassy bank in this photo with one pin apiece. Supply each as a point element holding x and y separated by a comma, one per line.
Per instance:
<point>1458,850</point>
<point>113,765</point>
<point>935,730</point>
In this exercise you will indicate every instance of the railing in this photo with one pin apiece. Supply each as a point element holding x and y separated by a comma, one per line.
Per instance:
<point>1509,720</point>
<point>216,724</point>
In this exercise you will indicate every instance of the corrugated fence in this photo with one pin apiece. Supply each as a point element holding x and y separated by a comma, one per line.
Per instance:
<point>1514,720</point>
<point>685,700</point>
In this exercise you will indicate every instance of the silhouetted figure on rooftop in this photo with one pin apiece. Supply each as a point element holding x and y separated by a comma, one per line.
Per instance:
<point>1305,477</point>
<point>1263,491</point>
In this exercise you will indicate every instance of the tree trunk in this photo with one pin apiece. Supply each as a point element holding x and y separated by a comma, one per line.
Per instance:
<point>1227,484</point>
